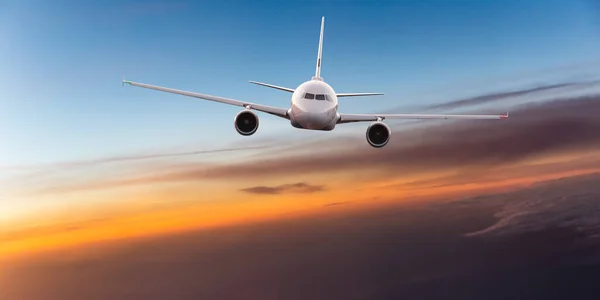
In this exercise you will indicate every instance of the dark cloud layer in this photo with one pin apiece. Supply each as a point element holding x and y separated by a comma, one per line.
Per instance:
<point>299,187</point>
<point>569,202</point>
<point>398,252</point>
<point>531,130</point>
<point>488,98</point>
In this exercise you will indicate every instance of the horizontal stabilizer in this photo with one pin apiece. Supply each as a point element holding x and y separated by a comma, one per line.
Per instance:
<point>357,94</point>
<point>273,86</point>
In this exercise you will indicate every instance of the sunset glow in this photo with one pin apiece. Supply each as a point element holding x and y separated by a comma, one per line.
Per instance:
<point>162,210</point>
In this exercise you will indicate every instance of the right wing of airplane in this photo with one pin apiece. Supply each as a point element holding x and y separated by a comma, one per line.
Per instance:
<point>277,111</point>
<point>349,118</point>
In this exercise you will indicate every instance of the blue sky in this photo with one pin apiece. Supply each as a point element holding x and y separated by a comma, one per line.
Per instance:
<point>62,63</point>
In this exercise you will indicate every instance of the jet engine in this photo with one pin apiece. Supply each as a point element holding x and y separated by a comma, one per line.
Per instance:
<point>378,134</point>
<point>246,122</point>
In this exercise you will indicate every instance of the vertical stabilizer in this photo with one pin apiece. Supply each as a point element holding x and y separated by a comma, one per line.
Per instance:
<point>318,71</point>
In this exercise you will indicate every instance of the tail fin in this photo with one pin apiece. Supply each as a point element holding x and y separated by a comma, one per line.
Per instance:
<point>318,70</point>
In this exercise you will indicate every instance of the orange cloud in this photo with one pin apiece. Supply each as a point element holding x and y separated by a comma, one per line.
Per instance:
<point>158,211</point>
<point>180,212</point>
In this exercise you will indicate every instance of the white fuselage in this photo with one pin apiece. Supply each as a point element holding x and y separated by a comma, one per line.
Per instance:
<point>314,106</point>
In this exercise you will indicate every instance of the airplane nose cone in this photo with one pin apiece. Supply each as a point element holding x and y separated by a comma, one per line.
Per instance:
<point>312,120</point>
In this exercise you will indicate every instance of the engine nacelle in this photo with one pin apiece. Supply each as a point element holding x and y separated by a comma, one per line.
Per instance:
<point>378,134</point>
<point>246,122</point>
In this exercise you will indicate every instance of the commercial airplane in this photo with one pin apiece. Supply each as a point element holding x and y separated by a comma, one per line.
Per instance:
<point>314,106</point>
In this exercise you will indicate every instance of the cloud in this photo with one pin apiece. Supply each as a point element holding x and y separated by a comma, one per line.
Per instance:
<point>337,203</point>
<point>530,131</point>
<point>42,176</point>
<point>299,187</point>
<point>533,130</point>
<point>11,234</point>
<point>387,250</point>
<point>563,203</point>
<point>513,94</point>
<point>483,99</point>
<point>122,158</point>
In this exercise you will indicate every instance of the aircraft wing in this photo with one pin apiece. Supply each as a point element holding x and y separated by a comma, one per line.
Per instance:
<point>357,94</point>
<point>349,118</point>
<point>277,111</point>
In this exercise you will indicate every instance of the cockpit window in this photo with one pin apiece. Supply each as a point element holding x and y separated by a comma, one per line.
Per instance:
<point>321,97</point>
<point>309,96</point>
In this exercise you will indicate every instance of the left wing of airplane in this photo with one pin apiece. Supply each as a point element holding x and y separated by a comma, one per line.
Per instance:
<point>349,118</point>
<point>277,111</point>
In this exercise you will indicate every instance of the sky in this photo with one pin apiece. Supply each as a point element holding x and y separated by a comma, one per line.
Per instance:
<point>74,159</point>
<point>65,61</point>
